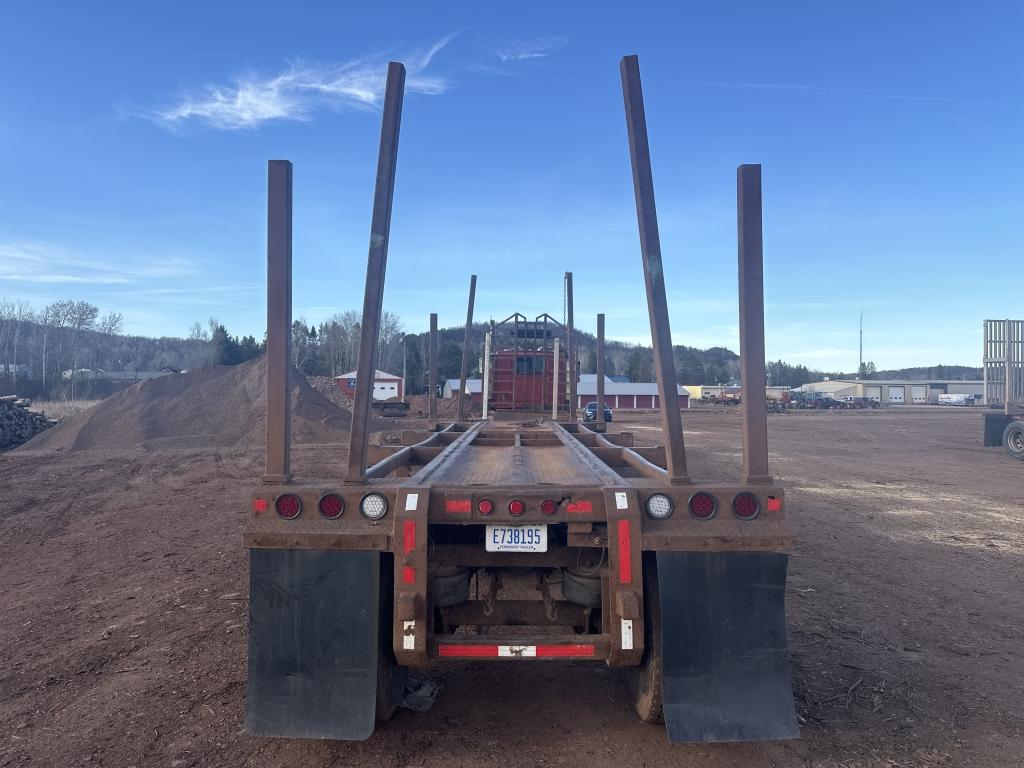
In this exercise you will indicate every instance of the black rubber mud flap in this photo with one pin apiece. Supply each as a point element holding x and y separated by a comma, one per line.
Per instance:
<point>313,624</point>
<point>726,665</point>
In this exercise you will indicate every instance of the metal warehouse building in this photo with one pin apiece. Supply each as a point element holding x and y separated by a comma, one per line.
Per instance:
<point>896,391</point>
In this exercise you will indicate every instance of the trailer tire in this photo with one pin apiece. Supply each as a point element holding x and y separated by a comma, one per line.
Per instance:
<point>1013,439</point>
<point>390,675</point>
<point>644,681</point>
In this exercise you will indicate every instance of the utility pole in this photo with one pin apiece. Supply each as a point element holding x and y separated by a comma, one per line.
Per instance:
<point>860,366</point>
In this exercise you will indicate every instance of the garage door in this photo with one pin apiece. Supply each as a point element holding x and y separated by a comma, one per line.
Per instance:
<point>385,390</point>
<point>873,392</point>
<point>896,395</point>
<point>919,395</point>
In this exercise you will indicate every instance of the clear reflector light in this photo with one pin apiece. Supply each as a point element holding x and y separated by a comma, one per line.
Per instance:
<point>659,506</point>
<point>373,506</point>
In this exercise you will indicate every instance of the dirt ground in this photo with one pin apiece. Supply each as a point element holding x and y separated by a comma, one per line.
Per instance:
<point>123,602</point>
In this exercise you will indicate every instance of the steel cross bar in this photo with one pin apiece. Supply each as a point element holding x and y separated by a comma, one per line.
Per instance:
<point>376,267</point>
<point>279,322</point>
<point>654,276</point>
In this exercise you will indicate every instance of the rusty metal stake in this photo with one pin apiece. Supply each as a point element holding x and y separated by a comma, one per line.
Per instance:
<point>432,362</point>
<point>654,276</point>
<point>600,374</point>
<point>572,350</point>
<point>279,322</point>
<point>751,280</point>
<point>465,350</point>
<point>376,267</point>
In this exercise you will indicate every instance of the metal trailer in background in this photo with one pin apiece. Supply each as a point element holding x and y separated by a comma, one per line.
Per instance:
<point>1003,373</point>
<point>630,561</point>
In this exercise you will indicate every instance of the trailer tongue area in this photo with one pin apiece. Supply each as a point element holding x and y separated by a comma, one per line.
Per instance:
<point>530,539</point>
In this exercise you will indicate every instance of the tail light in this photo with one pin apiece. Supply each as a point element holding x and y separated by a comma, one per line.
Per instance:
<point>548,507</point>
<point>703,506</point>
<point>373,506</point>
<point>331,506</point>
<point>288,506</point>
<point>485,506</point>
<point>746,506</point>
<point>516,508</point>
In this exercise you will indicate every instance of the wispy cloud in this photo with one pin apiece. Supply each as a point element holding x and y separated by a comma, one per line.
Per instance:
<point>299,91</point>
<point>521,50</point>
<point>814,90</point>
<point>40,262</point>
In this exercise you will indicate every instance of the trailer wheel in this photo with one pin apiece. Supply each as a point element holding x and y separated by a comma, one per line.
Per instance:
<point>1013,439</point>
<point>390,675</point>
<point>644,681</point>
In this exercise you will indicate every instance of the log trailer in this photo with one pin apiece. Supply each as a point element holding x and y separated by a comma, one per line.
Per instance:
<point>678,582</point>
<point>1003,372</point>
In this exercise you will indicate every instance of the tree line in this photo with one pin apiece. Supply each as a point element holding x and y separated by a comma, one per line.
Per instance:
<point>39,348</point>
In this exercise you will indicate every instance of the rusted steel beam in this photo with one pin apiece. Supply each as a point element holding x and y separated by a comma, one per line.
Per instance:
<point>279,322</point>
<point>654,276</point>
<point>751,281</point>
<point>432,362</point>
<point>461,416</point>
<point>600,373</point>
<point>573,351</point>
<point>376,267</point>
<point>517,613</point>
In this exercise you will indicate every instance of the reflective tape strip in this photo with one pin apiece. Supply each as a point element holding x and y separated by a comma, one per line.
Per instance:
<point>579,506</point>
<point>408,575</point>
<point>774,504</point>
<point>259,505</point>
<point>627,634</point>
<point>408,536</point>
<point>467,650</point>
<point>516,651</point>
<point>625,554</point>
<point>409,635</point>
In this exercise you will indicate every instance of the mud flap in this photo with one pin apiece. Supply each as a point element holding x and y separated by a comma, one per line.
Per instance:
<point>726,665</point>
<point>313,623</point>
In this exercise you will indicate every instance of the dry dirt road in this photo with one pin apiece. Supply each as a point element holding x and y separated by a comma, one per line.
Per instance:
<point>123,634</point>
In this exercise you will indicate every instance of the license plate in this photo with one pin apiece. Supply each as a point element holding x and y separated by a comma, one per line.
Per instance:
<point>516,538</point>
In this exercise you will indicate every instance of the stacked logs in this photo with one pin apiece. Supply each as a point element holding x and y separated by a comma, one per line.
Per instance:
<point>17,423</point>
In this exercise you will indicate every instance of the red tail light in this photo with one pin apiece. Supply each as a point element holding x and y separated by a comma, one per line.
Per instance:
<point>702,506</point>
<point>516,508</point>
<point>331,506</point>
<point>548,507</point>
<point>288,505</point>
<point>746,506</point>
<point>485,506</point>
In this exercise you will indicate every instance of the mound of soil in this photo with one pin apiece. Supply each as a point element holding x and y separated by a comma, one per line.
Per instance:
<point>447,408</point>
<point>219,406</point>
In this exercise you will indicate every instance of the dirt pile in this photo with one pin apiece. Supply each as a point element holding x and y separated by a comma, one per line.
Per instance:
<point>211,407</point>
<point>447,408</point>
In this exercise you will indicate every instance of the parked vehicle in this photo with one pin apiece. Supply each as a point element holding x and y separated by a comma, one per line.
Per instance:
<point>957,400</point>
<point>1003,362</point>
<point>590,412</point>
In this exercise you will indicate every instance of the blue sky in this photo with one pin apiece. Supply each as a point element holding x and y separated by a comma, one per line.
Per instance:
<point>134,139</point>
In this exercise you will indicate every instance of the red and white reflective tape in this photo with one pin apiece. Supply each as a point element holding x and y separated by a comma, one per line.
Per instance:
<point>479,650</point>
